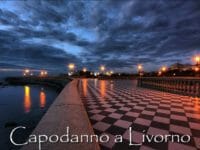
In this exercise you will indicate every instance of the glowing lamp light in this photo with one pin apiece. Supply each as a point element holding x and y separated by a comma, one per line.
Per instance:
<point>27,71</point>
<point>102,68</point>
<point>197,59</point>
<point>84,69</point>
<point>42,73</point>
<point>164,68</point>
<point>108,73</point>
<point>139,67</point>
<point>196,69</point>
<point>71,66</point>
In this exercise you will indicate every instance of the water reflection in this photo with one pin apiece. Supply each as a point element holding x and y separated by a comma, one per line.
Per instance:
<point>42,99</point>
<point>85,83</point>
<point>27,99</point>
<point>102,88</point>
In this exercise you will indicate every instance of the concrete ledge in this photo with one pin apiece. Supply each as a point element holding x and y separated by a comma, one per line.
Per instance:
<point>66,110</point>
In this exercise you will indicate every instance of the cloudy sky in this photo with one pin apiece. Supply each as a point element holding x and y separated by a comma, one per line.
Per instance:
<point>117,34</point>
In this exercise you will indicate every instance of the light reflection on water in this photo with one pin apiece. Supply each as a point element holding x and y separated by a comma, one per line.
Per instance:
<point>27,99</point>
<point>42,99</point>
<point>24,106</point>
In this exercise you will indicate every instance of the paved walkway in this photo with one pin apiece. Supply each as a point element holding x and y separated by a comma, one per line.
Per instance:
<point>114,106</point>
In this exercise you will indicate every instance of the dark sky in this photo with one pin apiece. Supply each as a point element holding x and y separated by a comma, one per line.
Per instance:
<point>117,34</point>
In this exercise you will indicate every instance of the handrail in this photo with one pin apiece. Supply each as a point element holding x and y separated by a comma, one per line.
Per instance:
<point>179,85</point>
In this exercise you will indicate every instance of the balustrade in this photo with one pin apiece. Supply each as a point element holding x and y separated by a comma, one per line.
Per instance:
<point>183,85</point>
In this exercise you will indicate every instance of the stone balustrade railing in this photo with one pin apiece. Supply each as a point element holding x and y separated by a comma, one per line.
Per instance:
<point>183,85</point>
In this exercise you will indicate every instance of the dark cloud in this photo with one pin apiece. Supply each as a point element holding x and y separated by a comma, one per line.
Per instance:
<point>118,34</point>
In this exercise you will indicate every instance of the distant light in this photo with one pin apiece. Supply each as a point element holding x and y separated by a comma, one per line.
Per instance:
<point>27,71</point>
<point>102,68</point>
<point>96,74</point>
<point>108,73</point>
<point>84,69</point>
<point>196,69</point>
<point>111,72</point>
<point>159,73</point>
<point>164,68</point>
<point>41,73</point>
<point>71,66</point>
<point>140,67</point>
<point>197,59</point>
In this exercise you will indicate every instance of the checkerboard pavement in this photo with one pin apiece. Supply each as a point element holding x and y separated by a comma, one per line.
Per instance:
<point>114,106</point>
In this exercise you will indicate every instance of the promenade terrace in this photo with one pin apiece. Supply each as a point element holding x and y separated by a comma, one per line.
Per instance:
<point>114,106</point>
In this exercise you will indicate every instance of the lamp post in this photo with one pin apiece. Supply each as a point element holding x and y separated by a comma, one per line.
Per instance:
<point>163,70</point>
<point>197,59</point>
<point>84,70</point>
<point>71,68</point>
<point>26,72</point>
<point>140,69</point>
<point>102,68</point>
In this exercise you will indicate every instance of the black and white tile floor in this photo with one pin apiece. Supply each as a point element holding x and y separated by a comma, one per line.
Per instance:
<point>114,106</point>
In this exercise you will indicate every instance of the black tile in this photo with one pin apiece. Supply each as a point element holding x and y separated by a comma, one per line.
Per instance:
<point>114,130</point>
<point>162,115</point>
<point>105,113</point>
<point>148,117</point>
<point>128,118</point>
<point>179,123</point>
<point>159,125</point>
<point>121,112</point>
<point>139,128</point>
<point>109,120</point>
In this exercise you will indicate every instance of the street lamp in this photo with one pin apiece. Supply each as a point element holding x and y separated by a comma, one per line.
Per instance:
<point>102,68</point>
<point>45,72</point>
<point>27,71</point>
<point>159,73</point>
<point>140,68</point>
<point>71,66</point>
<point>197,59</point>
<point>84,69</point>
<point>164,69</point>
<point>196,69</point>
